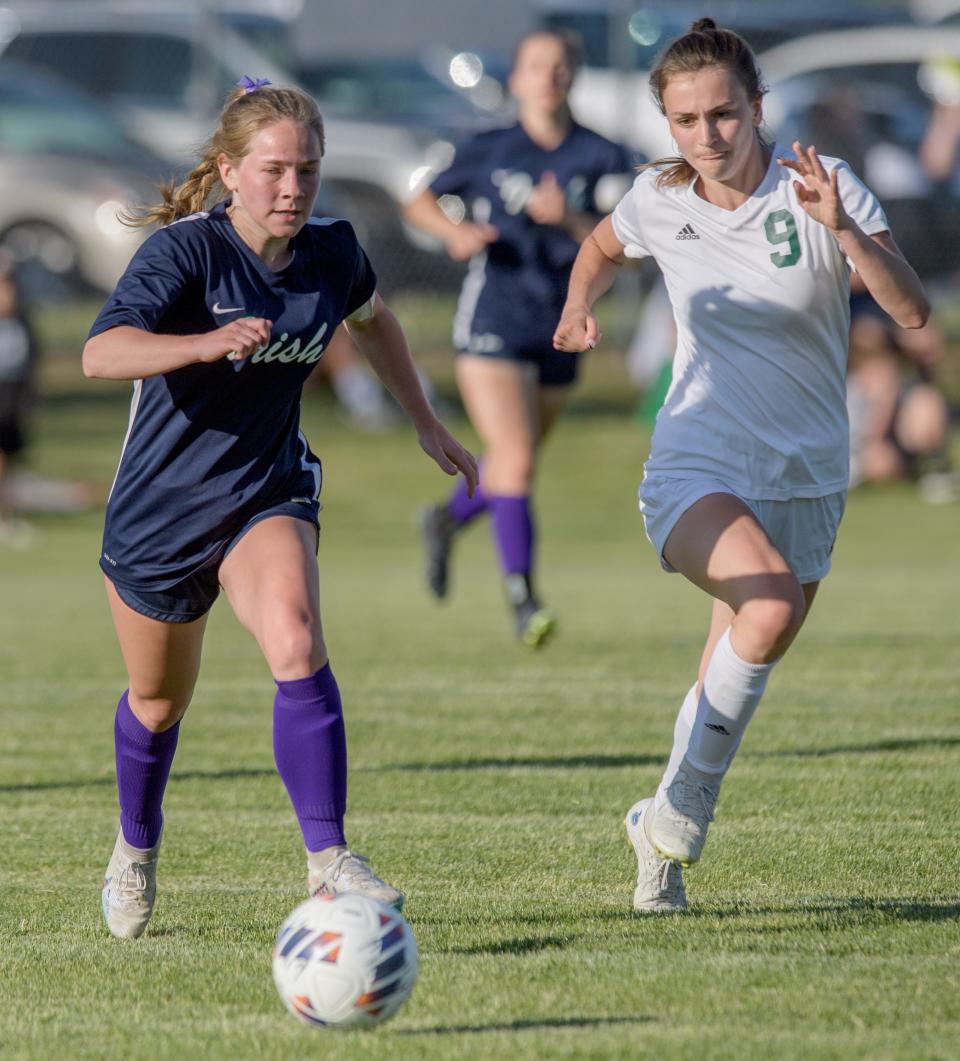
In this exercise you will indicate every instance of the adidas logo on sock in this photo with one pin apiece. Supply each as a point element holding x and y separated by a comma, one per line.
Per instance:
<point>687,232</point>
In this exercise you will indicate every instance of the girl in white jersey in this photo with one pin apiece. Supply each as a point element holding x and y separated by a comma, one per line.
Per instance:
<point>746,480</point>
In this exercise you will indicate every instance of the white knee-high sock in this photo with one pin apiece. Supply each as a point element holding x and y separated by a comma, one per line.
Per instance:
<point>681,740</point>
<point>732,688</point>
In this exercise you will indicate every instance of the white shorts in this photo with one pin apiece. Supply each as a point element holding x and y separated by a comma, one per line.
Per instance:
<point>803,529</point>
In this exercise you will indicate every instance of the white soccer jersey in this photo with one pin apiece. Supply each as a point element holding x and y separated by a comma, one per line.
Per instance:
<point>760,295</point>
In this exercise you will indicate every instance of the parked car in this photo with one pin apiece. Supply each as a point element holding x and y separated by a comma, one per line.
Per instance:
<point>941,12</point>
<point>166,69</point>
<point>863,95</point>
<point>440,92</point>
<point>621,45</point>
<point>67,166</point>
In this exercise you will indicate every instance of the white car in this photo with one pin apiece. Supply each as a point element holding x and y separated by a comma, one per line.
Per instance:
<point>866,96</point>
<point>880,74</point>
<point>622,43</point>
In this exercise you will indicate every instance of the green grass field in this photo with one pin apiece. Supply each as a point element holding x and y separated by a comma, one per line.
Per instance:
<point>491,784</point>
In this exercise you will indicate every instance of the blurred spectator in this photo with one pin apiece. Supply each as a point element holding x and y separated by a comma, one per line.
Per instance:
<point>940,78</point>
<point>17,351</point>
<point>899,419</point>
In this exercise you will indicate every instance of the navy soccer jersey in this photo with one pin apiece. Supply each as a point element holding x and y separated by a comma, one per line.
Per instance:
<point>516,288</point>
<point>210,445</point>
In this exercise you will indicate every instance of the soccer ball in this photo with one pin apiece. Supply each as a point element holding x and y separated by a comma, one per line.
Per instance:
<point>343,961</point>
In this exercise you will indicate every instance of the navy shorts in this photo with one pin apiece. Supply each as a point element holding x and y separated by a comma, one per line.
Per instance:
<point>192,597</point>
<point>14,399</point>
<point>555,368</point>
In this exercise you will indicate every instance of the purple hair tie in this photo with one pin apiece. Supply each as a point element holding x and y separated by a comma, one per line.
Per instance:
<point>251,84</point>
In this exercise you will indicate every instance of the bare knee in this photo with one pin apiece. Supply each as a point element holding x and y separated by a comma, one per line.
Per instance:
<point>294,647</point>
<point>509,470</point>
<point>766,625</point>
<point>922,422</point>
<point>158,711</point>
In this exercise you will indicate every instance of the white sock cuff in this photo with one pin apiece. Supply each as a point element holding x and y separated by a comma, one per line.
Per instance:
<point>726,654</point>
<point>688,709</point>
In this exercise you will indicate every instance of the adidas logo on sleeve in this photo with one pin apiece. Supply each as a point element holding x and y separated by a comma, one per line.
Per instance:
<point>687,232</point>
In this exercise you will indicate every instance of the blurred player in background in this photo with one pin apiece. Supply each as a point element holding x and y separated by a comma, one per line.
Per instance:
<point>532,195</point>
<point>746,480</point>
<point>219,318</point>
<point>899,417</point>
<point>17,354</point>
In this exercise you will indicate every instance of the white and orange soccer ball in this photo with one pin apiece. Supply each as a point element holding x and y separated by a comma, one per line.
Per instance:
<point>344,961</point>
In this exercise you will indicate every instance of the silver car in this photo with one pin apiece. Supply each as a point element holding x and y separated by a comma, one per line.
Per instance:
<point>67,168</point>
<point>166,69</point>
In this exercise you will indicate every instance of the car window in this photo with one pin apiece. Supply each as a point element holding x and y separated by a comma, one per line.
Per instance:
<point>152,69</point>
<point>384,90</point>
<point>37,117</point>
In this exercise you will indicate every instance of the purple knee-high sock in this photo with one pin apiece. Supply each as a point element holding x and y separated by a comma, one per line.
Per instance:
<point>514,533</point>
<point>310,750</point>
<point>143,766</point>
<point>461,508</point>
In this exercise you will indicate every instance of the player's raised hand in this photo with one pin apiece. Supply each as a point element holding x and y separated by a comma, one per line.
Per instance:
<point>468,239</point>
<point>239,338</point>
<point>817,191</point>
<point>437,442</point>
<point>547,203</point>
<point>578,330</point>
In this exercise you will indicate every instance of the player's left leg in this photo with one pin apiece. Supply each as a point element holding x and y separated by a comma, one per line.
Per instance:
<point>535,623</point>
<point>162,659</point>
<point>271,579</point>
<point>501,397</point>
<point>720,546</point>
<point>722,616</point>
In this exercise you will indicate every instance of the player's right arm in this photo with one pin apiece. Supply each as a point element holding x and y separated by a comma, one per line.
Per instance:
<point>600,256</point>
<point>126,352</point>
<point>462,239</point>
<point>126,340</point>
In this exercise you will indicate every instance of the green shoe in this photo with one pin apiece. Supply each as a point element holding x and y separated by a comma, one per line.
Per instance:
<point>535,625</point>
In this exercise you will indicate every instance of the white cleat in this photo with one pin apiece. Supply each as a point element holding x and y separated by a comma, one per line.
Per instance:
<point>347,872</point>
<point>129,889</point>
<point>659,887</point>
<point>678,827</point>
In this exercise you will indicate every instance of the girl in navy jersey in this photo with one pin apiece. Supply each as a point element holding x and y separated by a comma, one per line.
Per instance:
<point>746,480</point>
<point>219,319</point>
<point>532,191</point>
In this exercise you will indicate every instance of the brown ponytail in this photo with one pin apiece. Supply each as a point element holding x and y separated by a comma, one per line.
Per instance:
<point>243,115</point>
<point>705,45</point>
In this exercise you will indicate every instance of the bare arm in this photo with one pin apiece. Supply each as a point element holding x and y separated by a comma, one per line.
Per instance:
<point>599,258</point>
<point>462,240</point>
<point>887,275</point>
<point>125,352</point>
<point>382,342</point>
<point>885,272</point>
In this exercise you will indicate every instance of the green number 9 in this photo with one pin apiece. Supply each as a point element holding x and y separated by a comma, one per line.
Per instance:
<point>788,235</point>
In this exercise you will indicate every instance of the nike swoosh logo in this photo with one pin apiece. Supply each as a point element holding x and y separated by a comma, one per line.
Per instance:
<point>217,308</point>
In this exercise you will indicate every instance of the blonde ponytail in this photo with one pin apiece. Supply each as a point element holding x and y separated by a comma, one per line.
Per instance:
<point>246,111</point>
